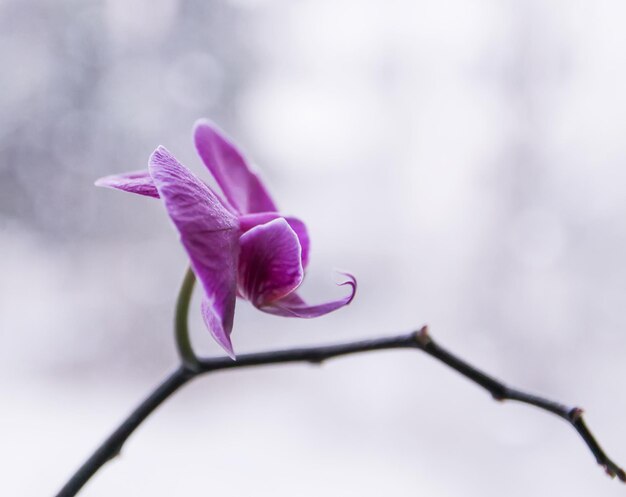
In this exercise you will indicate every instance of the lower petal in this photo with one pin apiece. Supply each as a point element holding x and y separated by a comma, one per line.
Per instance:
<point>293,306</point>
<point>214,325</point>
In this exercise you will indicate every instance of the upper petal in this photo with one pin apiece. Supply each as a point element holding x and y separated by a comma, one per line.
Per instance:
<point>293,306</point>
<point>242,187</point>
<point>270,264</point>
<point>139,182</point>
<point>208,232</point>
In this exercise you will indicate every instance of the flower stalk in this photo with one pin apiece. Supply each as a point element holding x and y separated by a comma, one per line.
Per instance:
<point>181,327</point>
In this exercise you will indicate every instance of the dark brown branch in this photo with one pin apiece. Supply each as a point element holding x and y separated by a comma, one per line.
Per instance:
<point>499,391</point>
<point>418,340</point>
<point>112,446</point>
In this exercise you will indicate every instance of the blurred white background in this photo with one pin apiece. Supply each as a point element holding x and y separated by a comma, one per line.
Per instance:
<point>464,159</point>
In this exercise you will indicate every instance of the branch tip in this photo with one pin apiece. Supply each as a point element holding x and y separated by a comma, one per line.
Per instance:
<point>422,336</point>
<point>575,414</point>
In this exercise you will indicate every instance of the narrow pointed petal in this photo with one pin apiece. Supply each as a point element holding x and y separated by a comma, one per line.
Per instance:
<point>139,182</point>
<point>249,221</point>
<point>293,306</point>
<point>209,234</point>
<point>242,187</point>
<point>216,328</point>
<point>270,264</point>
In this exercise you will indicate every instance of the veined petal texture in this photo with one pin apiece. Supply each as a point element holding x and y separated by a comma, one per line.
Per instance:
<point>208,232</point>
<point>241,186</point>
<point>139,182</point>
<point>213,322</point>
<point>249,221</point>
<point>270,264</point>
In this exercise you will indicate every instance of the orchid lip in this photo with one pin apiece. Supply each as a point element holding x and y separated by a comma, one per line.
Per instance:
<point>270,262</point>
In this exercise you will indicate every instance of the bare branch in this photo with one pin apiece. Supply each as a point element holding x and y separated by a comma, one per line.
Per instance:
<point>420,340</point>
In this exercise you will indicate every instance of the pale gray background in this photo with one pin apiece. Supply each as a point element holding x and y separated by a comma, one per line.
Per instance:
<point>464,159</point>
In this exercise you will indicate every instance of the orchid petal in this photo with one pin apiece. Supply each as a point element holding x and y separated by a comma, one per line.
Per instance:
<point>249,221</point>
<point>139,182</point>
<point>293,306</point>
<point>303,237</point>
<point>270,264</point>
<point>209,234</point>
<point>215,327</point>
<point>242,188</point>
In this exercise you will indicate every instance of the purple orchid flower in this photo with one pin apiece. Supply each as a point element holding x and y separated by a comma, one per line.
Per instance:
<point>238,246</point>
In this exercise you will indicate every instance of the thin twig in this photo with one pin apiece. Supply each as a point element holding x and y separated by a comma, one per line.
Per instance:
<point>499,391</point>
<point>112,446</point>
<point>420,340</point>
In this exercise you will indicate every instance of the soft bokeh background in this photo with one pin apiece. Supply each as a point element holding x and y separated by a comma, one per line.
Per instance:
<point>465,159</point>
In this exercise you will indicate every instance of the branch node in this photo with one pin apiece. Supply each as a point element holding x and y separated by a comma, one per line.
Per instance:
<point>498,396</point>
<point>422,336</point>
<point>419,339</point>
<point>116,453</point>
<point>575,414</point>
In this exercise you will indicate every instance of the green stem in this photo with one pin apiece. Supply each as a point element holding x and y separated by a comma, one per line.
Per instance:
<point>183,342</point>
